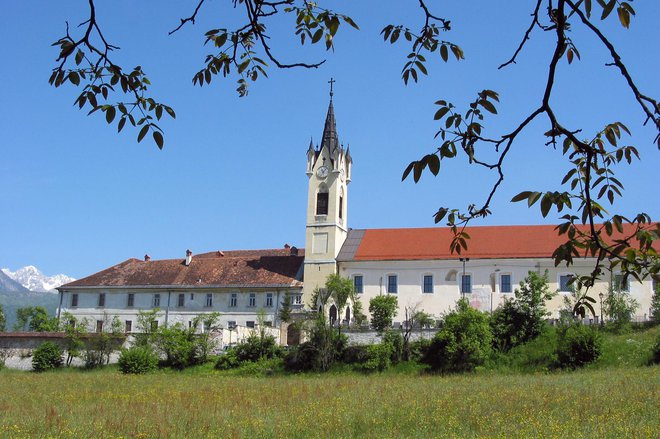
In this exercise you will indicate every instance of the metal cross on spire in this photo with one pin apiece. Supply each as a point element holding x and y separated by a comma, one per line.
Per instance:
<point>331,82</point>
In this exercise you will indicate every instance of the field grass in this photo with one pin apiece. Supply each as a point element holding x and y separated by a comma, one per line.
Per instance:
<point>608,402</point>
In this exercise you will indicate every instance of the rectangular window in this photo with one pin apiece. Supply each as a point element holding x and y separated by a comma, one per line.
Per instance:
<point>192,296</point>
<point>156,300</point>
<point>392,283</point>
<point>128,326</point>
<point>231,324</point>
<point>358,283</point>
<point>154,325</point>
<point>341,207</point>
<point>252,302</point>
<point>505,283</point>
<point>233,299</point>
<point>102,299</point>
<point>297,299</point>
<point>428,283</point>
<point>74,300</point>
<point>466,283</point>
<point>250,323</point>
<point>564,280</point>
<point>207,326</point>
<point>99,326</point>
<point>269,300</point>
<point>182,300</point>
<point>209,300</point>
<point>268,324</point>
<point>322,203</point>
<point>131,300</point>
<point>620,284</point>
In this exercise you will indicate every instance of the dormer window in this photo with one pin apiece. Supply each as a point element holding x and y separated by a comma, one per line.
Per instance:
<point>322,203</point>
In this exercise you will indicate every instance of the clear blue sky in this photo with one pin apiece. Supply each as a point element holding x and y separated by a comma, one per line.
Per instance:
<point>77,197</point>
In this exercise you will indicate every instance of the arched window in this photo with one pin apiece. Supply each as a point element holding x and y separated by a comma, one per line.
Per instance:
<point>322,201</point>
<point>341,204</point>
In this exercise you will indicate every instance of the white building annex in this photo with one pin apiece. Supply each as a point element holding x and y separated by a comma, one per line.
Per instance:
<point>413,264</point>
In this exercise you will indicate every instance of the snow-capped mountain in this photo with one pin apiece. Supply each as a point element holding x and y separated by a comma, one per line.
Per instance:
<point>10,285</point>
<point>34,280</point>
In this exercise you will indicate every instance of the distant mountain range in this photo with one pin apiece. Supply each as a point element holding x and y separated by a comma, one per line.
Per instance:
<point>28,287</point>
<point>30,278</point>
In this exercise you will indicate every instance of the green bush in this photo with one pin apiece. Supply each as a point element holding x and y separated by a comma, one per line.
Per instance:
<point>378,357</point>
<point>395,340</point>
<point>536,355</point>
<point>47,356</point>
<point>355,354</point>
<point>656,351</point>
<point>256,347</point>
<point>301,358</point>
<point>228,360</point>
<point>137,360</point>
<point>419,348</point>
<point>463,343</point>
<point>578,345</point>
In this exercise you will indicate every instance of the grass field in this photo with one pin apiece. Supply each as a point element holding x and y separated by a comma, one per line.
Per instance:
<point>610,402</point>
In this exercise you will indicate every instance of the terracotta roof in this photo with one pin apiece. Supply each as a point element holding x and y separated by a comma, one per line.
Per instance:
<point>249,268</point>
<point>487,242</point>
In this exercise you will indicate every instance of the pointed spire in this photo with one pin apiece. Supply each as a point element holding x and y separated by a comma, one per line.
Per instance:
<point>330,138</point>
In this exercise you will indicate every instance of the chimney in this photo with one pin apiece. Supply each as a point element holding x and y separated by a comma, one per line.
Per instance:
<point>188,257</point>
<point>294,251</point>
<point>147,258</point>
<point>287,246</point>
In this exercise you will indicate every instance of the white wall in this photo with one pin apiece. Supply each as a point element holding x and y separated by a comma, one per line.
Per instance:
<point>116,304</point>
<point>485,273</point>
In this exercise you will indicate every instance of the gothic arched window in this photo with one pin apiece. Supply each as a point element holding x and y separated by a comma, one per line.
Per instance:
<point>322,201</point>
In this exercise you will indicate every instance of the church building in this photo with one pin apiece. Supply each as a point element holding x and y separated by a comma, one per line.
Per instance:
<point>413,264</point>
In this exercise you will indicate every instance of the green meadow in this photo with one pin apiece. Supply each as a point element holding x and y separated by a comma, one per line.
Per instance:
<point>607,402</point>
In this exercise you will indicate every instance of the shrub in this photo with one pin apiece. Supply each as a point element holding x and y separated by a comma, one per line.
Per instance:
<point>355,354</point>
<point>578,345</point>
<point>378,357</point>
<point>137,360</point>
<point>301,358</point>
<point>228,360</point>
<point>395,340</point>
<point>536,355</point>
<point>256,347</point>
<point>656,351</point>
<point>47,356</point>
<point>419,348</point>
<point>463,343</point>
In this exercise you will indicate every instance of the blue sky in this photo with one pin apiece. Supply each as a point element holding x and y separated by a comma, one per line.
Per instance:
<point>77,197</point>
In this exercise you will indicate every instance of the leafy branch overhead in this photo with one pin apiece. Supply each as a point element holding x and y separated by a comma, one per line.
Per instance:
<point>586,194</point>
<point>590,186</point>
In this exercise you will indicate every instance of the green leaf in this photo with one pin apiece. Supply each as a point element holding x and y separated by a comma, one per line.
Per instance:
<point>488,106</point>
<point>521,196</point>
<point>407,171</point>
<point>158,138</point>
<point>441,113</point>
<point>546,204</point>
<point>444,53</point>
<point>143,132</point>
<point>121,123</point>
<point>607,9</point>
<point>434,164</point>
<point>110,114</point>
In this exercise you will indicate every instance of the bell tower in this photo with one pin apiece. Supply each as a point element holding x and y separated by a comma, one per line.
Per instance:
<point>329,171</point>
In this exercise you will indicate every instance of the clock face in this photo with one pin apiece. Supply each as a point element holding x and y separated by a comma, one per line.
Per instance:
<point>322,172</point>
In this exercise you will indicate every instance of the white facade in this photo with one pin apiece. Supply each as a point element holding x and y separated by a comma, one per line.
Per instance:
<point>237,307</point>
<point>487,279</point>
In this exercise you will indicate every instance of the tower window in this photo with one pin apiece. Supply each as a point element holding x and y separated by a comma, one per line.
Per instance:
<point>322,203</point>
<point>341,206</point>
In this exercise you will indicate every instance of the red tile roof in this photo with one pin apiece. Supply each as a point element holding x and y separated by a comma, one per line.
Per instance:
<point>487,242</point>
<point>249,268</point>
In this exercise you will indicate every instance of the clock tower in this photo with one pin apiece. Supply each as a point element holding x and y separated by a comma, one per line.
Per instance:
<point>329,171</point>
